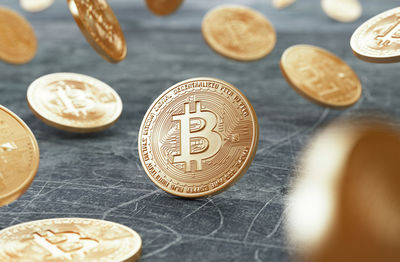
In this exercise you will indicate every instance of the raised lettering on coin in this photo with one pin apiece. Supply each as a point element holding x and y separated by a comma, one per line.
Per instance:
<point>198,137</point>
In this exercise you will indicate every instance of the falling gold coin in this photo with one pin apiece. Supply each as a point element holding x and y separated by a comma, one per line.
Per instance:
<point>35,5</point>
<point>70,239</point>
<point>163,7</point>
<point>18,42</point>
<point>101,28</point>
<point>198,138</point>
<point>19,157</point>
<point>74,102</point>
<point>280,4</point>
<point>378,39</point>
<point>320,76</point>
<point>345,11</point>
<point>238,33</point>
<point>345,202</point>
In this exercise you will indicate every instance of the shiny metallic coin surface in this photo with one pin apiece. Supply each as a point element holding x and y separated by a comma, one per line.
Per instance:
<point>18,42</point>
<point>238,32</point>
<point>74,102</point>
<point>163,7</point>
<point>198,137</point>
<point>19,157</point>
<point>280,4</point>
<point>320,76</point>
<point>101,28</point>
<point>69,239</point>
<point>378,39</point>
<point>344,205</point>
<point>345,11</point>
<point>35,5</point>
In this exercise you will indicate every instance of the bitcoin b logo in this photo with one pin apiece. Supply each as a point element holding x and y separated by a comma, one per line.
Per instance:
<point>199,141</point>
<point>389,35</point>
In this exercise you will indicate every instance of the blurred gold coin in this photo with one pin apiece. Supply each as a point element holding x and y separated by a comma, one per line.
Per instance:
<point>345,202</point>
<point>345,11</point>
<point>101,28</point>
<point>279,4</point>
<point>19,157</point>
<point>35,5</point>
<point>238,32</point>
<point>320,76</point>
<point>69,239</point>
<point>18,42</point>
<point>163,7</point>
<point>74,102</point>
<point>378,39</point>
<point>198,138</point>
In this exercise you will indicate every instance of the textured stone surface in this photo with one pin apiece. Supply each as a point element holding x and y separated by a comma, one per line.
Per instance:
<point>100,175</point>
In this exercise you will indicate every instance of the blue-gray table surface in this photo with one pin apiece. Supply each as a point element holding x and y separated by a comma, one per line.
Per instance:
<point>100,175</point>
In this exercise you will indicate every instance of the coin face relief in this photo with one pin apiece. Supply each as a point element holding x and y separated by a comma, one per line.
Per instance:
<point>74,102</point>
<point>163,7</point>
<point>69,239</point>
<point>238,33</point>
<point>101,28</point>
<point>19,156</point>
<point>378,39</point>
<point>198,137</point>
<point>18,42</point>
<point>320,76</point>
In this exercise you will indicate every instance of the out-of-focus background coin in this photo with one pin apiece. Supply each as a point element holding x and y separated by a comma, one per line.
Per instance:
<point>238,32</point>
<point>18,42</point>
<point>345,11</point>
<point>35,5</point>
<point>198,138</point>
<point>163,7</point>
<point>74,102</point>
<point>101,28</point>
<point>320,76</point>
<point>19,157</point>
<point>280,4</point>
<point>378,39</point>
<point>69,239</point>
<point>344,205</point>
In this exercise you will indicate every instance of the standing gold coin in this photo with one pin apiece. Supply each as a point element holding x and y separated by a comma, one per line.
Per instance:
<point>35,5</point>
<point>74,102</point>
<point>345,11</point>
<point>238,33</point>
<point>198,138</point>
<point>378,39</point>
<point>18,42</point>
<point>19,157</point>
<point>101,28</point>
<point>163,7</point>
<point>320,76</point>
<point>70,239</point>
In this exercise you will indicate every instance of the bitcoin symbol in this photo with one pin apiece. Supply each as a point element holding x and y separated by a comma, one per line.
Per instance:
<point>386,38</point>
<point>67,245</point>
<point>73,101</point>
<point>198,139</point>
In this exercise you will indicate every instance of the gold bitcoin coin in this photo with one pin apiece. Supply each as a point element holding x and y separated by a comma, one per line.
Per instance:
<point>378,39</point>
<point>320,76</point>
<point>238,33</point>
<point>70,239</point>
<point>163,7</point>
<point>345,11</point>
<point>280,4</point>
<point>101,28</point>
<point>198,137</point>
<point>35,5</point>
<point>74,102</point>
<point>19,157</point>
<point>18,42</point>
<point>345,202</point>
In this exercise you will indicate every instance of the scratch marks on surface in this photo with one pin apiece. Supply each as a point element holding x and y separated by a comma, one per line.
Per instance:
<point>197,209</point>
